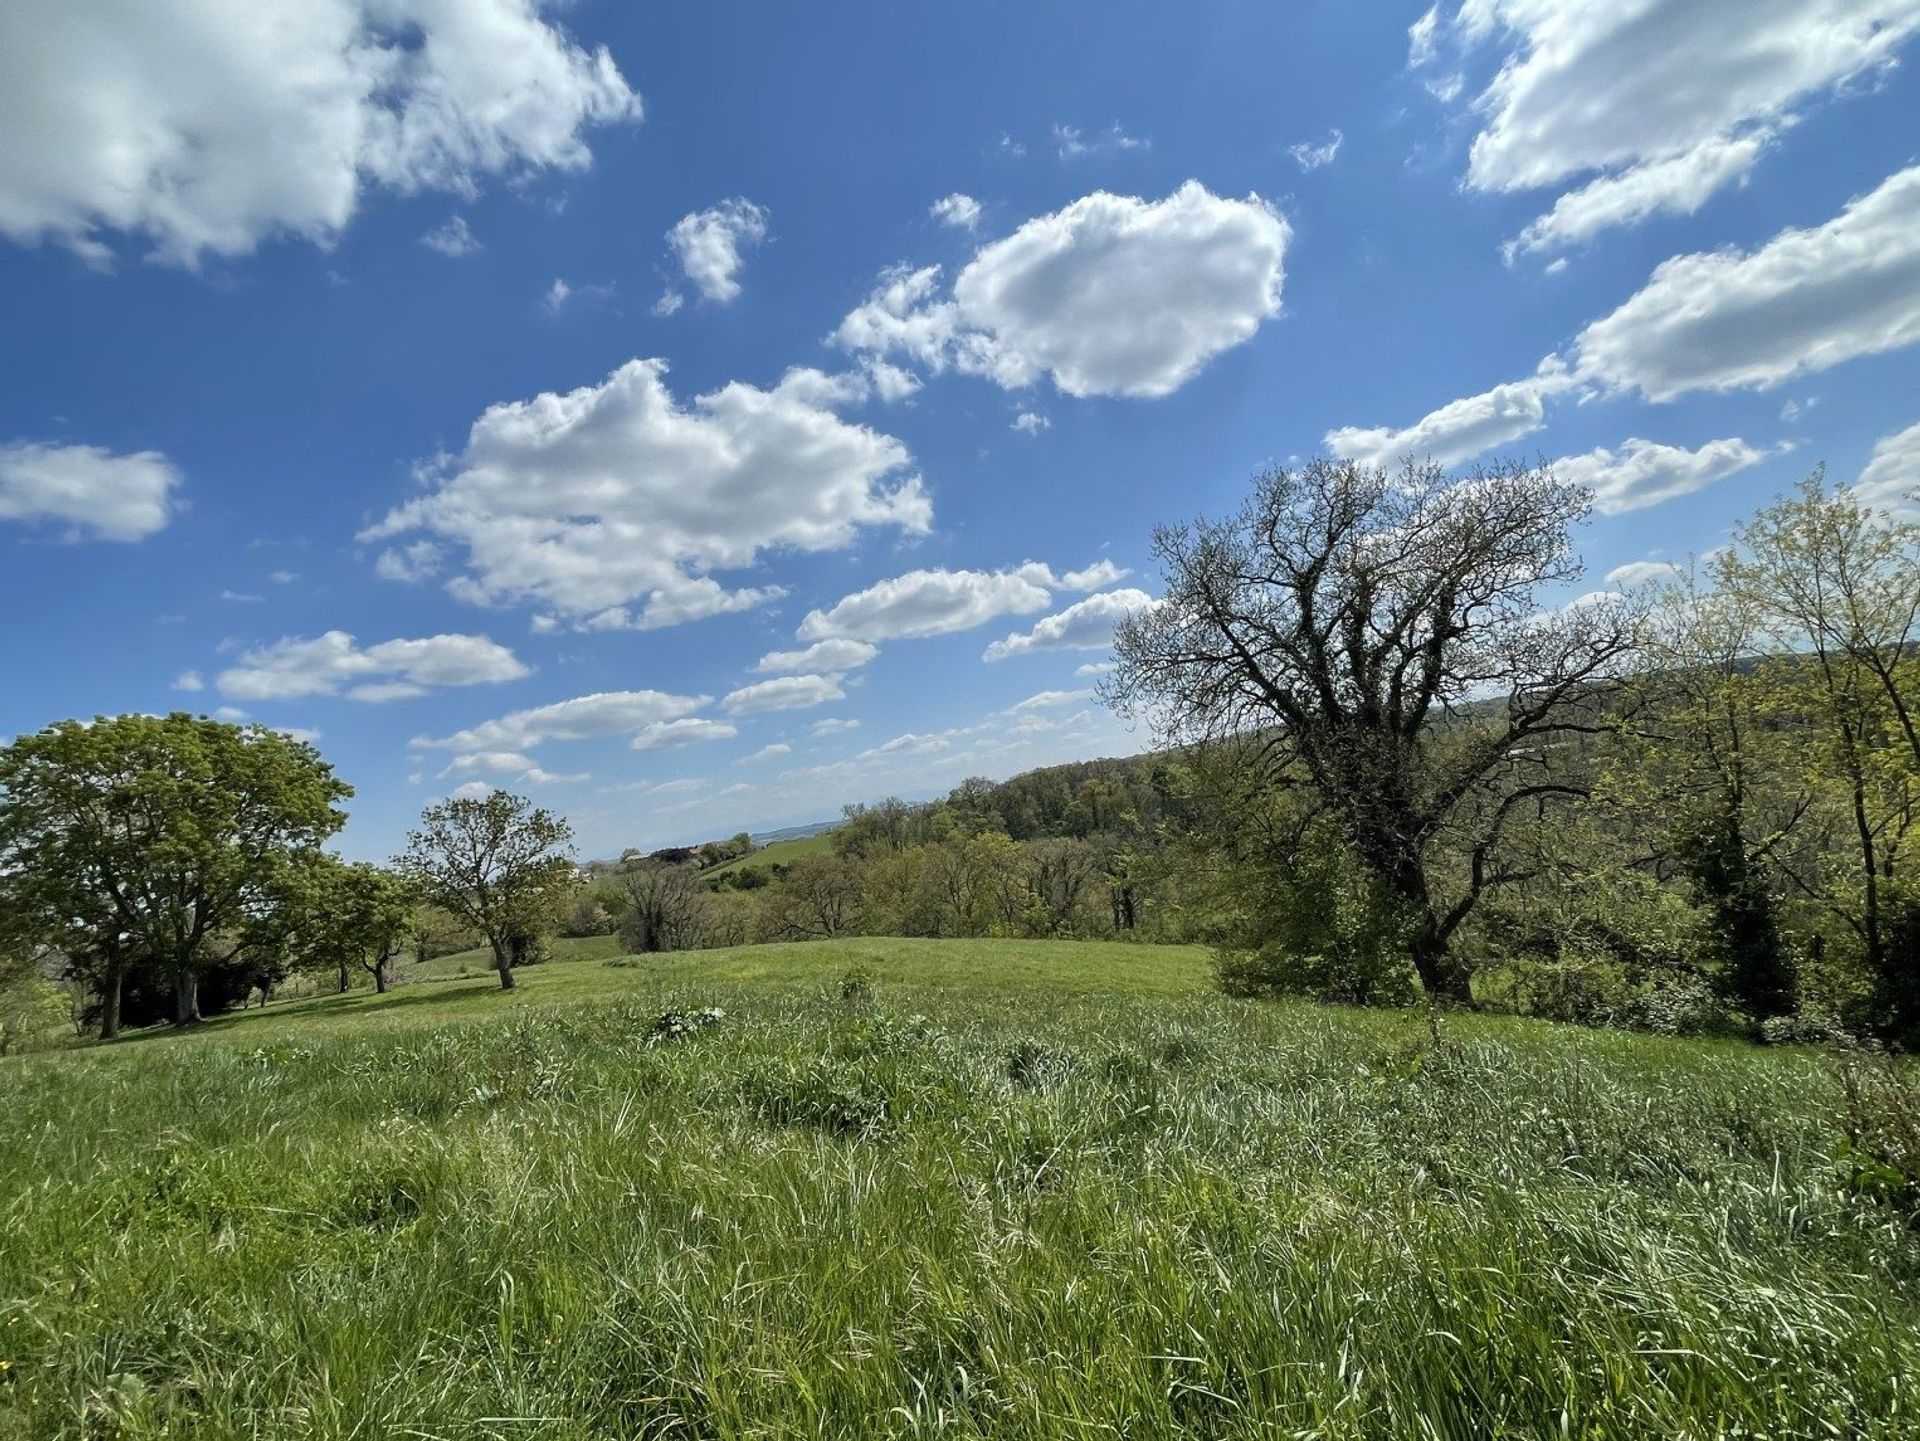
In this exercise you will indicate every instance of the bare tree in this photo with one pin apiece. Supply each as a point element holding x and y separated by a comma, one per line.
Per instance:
<point>665,907</point>
<point>1383,638</point>
<point>819,899</point>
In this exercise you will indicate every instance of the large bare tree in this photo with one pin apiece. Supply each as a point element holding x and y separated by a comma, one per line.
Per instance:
<point>1383,638</point>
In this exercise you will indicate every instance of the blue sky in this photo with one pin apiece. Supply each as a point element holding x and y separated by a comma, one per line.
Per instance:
<point>598,399</point>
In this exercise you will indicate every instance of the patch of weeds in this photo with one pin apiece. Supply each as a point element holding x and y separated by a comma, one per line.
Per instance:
<point>376,1195</point>
<point>1031,1065</point>
<point>856,987</point>
<point>679,1025</point>
<point>1880,1157</point>
<point>832,1096</point>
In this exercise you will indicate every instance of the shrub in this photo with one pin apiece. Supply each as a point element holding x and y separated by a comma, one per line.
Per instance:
<point>678,1025</point>
<point>1881,1154</point>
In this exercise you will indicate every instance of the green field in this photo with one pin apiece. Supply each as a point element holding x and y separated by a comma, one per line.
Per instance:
<point>1000,1189</point>
<point>780,853</point>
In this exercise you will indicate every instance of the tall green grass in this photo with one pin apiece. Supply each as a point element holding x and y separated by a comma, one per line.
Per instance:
<point>917,1209</point>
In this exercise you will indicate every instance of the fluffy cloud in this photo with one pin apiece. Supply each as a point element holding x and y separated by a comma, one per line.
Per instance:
<point>1098,576</point>
<point>410,564</point>
<point>1678,185</point>
<point>1804,301</point>
<point>1641,572</point>
<point>1459,429</point>
<point>692,730</point>
<point>1643,473</point>
<point>709,243</point>
<point>1084,625</point>
<point>766,753</point>
<point>587,717</point>
<point>615,493</point>
<point>931,602</point>
<point>96,493</point>
<point>392,670</point>
<point>833,726</point>
<point>1891,481</point>
<point>453,239</point>
<point>825,657</point>
<point>962,212</point>
<point>1112,295</point>
<point>510,765</point>
<point>202,126</point>
<point>787,692</point>
<point>1031,422</point>
<point>1663,100</point>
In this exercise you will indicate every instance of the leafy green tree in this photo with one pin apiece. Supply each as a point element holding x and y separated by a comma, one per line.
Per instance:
<point>1837,588</point>
<point>1386,640</point>
<point>355,915</point>
<point>1709,774</point>
<point>498,863</point>
<point>147,840</point>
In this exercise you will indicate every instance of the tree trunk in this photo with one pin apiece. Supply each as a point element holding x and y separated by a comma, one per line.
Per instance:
<point>380,976</point>
<point>110,1002</point>
<point>186,998</point>
<point>503,963</point>
<point>343,978</point>
<point>1442,976</point>
<point>1401,870</point>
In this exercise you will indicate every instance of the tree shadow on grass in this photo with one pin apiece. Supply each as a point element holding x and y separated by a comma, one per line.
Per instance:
<point>322,1009</point>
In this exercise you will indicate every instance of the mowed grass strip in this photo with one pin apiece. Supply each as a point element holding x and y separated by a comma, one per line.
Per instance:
<point>981,1207</point>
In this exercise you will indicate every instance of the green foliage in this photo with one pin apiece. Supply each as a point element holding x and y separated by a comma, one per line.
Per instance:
<point>1880,1157</point>
<point>497,863</point>
<point>162,842</point>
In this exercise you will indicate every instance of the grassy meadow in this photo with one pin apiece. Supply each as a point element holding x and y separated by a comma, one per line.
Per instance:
<point>777,853</point>
<point>895,1189</point>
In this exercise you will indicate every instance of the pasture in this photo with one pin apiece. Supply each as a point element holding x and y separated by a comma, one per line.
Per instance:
<point>891,1188</point>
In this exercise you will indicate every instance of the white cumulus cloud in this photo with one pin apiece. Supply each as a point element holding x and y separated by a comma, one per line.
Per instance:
<point>1662,101</point>
<point>1112,295</point>
<point>691,730</point>
<point>391,670</point>
<point>1459,429</point>
<point>931,602</point>
<point>709,244</point>
<point>1805,301</point>
<point>611,504</point>
<point>824,657</point>
<point>1643,473</point>
<point>1891,480</point>
<point>787,692</point>
<point>962,212</point>
<point>95,493</point>
<point>453,239</point>
<point>1084,625</point>
<point>1311,155</point>
<point>587,717</point>
<point>1641,572</point>
<point>205,126</point>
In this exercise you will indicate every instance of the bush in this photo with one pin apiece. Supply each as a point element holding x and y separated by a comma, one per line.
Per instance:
<point>1681,1005</point>
<point>1315,923</point>
<point>1881,1153</point>
<point>1803,1029</point>
<point>1579,992</point>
